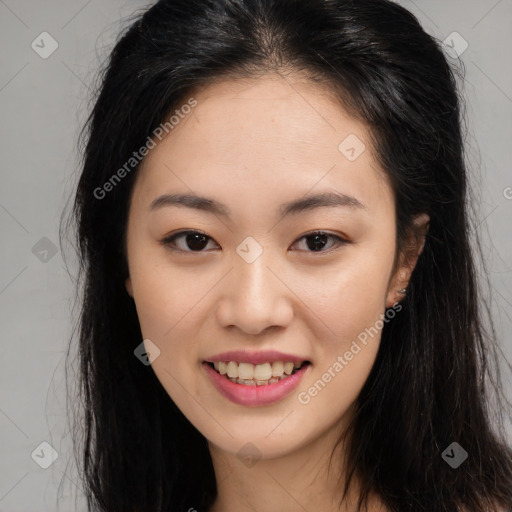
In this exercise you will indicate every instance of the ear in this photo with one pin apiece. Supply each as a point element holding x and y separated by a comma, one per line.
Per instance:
<point>408,258</point>
<point>128,286</point>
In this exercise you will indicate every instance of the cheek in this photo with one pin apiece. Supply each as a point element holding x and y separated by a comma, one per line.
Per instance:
<point>352,306</point>
<point>168,317</point>
<point>166,295</point>
<point>351,296</point>
<point>168,302</point>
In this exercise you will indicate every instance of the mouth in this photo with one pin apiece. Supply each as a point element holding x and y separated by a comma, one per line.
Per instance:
<point>265,374</point>
<point>255,385</point>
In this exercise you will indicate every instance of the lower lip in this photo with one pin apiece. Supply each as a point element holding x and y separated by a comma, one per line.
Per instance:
<point>254,395</point>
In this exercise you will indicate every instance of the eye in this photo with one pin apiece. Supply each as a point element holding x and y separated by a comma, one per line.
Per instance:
<point>318,240</point>
<point>196,241</point>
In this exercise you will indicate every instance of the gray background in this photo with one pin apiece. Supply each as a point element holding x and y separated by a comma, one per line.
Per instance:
<point>44,103</point>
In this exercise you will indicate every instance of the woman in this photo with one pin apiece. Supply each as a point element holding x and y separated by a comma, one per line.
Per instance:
<point>280,309</point>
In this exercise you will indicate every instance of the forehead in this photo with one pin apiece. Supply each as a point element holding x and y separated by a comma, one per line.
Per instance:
<point>244,117</point>
<point>273,136</point>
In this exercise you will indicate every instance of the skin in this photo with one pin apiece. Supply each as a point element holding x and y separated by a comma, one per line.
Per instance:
<point>254,145</point>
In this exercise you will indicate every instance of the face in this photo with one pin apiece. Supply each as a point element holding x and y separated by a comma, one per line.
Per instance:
<point>254,277</point>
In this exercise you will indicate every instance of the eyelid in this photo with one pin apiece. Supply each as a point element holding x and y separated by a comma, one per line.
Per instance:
<point>340,240</point>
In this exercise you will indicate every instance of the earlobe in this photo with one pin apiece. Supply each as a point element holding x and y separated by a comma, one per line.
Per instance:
<point>128,286</point>
<point>398,286</point>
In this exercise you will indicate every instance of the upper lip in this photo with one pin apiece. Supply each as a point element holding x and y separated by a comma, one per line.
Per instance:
<point>264,356</point>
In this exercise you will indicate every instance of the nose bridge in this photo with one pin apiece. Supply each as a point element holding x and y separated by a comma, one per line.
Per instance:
<point>252,259</point>
<point>254,278</point>
<point>255,298</point>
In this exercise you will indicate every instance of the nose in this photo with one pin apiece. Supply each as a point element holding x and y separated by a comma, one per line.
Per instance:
<point>254,298</point>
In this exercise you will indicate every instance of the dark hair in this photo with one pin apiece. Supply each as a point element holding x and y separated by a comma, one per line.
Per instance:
<point>429,384</point>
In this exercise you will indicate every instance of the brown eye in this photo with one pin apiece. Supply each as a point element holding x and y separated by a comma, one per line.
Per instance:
<point>196,241</point>
<point>193,241</point>
<point>316,241</point>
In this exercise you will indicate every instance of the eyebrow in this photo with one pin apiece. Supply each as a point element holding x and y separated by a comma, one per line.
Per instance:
<point>297,206</point>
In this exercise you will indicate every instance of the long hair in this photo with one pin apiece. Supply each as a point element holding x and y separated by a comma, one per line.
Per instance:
<point>429,385</point>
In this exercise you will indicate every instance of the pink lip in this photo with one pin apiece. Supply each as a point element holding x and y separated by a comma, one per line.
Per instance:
<point>254,395</point>
<point>267,356</point>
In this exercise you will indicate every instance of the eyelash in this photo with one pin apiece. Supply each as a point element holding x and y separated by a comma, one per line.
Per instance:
<point>168,241</point>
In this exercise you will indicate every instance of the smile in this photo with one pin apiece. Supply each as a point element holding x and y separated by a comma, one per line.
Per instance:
<point>255,385</point>
<point>259,374</point>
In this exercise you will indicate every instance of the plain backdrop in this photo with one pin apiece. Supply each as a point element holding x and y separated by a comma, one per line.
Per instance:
<point>44,102</point>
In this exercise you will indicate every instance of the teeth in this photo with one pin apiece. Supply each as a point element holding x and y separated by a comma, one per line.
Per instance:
<point>246,382</point>
<point>288,368</point>
<point>259,375</point>
<point>277,368</point>
<point>263,371</point>
<point>232,370</point>
<point>246,371</point>
<point>257,382</point>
